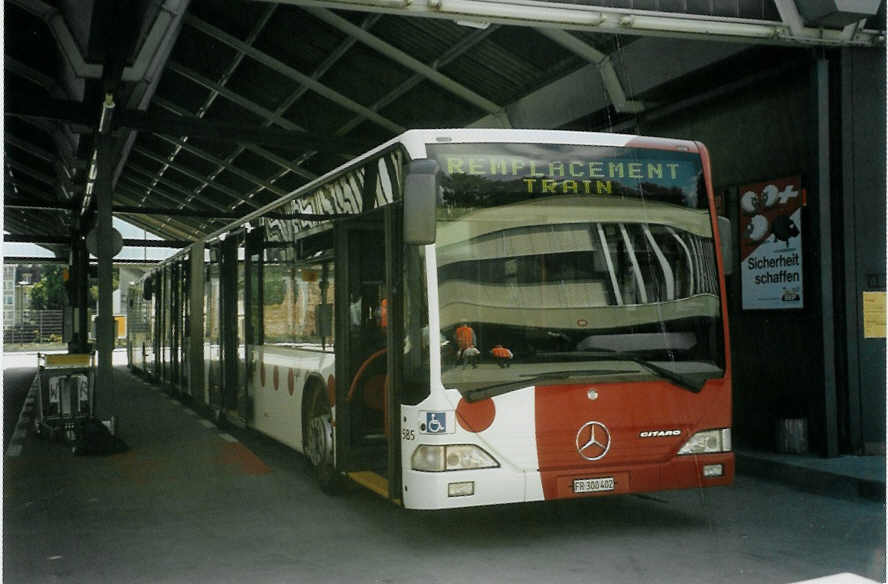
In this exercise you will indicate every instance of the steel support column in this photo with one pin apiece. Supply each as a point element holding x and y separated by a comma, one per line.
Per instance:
<point>822,191</point>
<point>78,281</point>
<point>105,319</point>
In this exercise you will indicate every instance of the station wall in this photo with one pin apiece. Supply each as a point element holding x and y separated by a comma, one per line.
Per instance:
<point>765,131</point>
<point>863,182</point>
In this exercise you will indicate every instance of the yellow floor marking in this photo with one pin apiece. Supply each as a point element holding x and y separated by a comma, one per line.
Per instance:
<point>369,479</point>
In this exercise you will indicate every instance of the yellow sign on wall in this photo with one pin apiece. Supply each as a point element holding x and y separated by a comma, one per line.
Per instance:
<point>874,317</point>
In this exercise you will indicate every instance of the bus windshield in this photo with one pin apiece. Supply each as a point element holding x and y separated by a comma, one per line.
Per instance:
<point>559,263</point>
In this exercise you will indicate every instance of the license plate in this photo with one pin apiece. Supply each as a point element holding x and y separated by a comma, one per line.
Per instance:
<point>593,485</point>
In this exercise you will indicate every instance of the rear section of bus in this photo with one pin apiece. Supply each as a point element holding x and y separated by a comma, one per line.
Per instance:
<point>577,340</point>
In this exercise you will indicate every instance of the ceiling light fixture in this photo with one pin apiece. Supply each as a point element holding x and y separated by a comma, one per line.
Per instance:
<point>702,27</point>
<point>519,12</point>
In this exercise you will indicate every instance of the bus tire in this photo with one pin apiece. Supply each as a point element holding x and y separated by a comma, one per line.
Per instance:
<point>318,434</point>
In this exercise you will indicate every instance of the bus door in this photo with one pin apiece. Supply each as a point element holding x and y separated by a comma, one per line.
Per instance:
<point>214,323</point>
<point>233,305</point>
<point>157,341</point>
<point>366,430</point>
<point>251,295</point>
<point>166,337</point>
<point>185,324</point>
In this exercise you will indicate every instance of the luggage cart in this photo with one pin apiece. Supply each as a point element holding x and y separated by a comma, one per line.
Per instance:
<point>66,386</point>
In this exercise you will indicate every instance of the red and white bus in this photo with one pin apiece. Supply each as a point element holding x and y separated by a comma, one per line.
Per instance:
<point>473,317</point>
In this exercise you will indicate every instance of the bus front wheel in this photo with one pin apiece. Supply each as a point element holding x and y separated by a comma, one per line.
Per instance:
<point>319,443</point>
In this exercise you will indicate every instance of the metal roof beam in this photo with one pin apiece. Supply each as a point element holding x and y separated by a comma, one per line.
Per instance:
<point>234,97</point>
<point>229,71</point>
<point>224,165</point>
<point>171,212</point>
<point>192,175</point>
<point>171,243</point>
<point>193,127</point>
<point>285,105</point>
<point>33,260</point>
<point>166,182</point>
<point>279,111</point>
<point>130,191</point>
<point>402,58</point>
<point>604,19</point>
<point>160,35</point>
<point>271,157</point>
<point>154,54</point>
<point>16,67</point>
<point>17,185</point>
<point>185,226</point>
<point>254,33</point>
<point>64,139</point>
<point>238,58</point>
<point>24,228</point>
<point>165,227</point>
<point>464,45</point>
<point>20,221</point>
<point>581,93</point>
<point>24,169</point>
<point>37,221</point>
<point>30,148</point>
<point>65,176</point>
<point>290,72</point>
<point>609,78</point>
<point>328,62</point>
<point>61,240</point>
<point>277,176</point>
<point>26,203</point>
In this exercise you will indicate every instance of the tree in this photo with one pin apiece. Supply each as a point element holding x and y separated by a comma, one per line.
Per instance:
<point>49,293</point>
<point>94,289</point>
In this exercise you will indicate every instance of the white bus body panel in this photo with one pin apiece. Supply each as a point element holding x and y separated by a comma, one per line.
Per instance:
<point>277,411</point>
<point>510,439</point>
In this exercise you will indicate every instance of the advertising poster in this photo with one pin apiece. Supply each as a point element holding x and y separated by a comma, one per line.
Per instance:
<point>771,244</point>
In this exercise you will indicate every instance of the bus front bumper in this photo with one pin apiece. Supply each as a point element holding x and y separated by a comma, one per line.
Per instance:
<point>448,490</point>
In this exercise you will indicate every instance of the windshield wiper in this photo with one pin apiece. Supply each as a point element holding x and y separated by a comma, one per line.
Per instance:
<point>677,379</point>
<point>533,379</point>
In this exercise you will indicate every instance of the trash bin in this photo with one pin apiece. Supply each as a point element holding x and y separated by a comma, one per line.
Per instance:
<point>66,386</point>
<point>792,435</point>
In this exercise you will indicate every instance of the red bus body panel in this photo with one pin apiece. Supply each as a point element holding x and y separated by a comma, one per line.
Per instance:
<point>648,422</point>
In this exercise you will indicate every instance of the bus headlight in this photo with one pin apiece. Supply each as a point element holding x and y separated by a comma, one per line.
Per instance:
<point>708,441</point>
<point>434,458</point>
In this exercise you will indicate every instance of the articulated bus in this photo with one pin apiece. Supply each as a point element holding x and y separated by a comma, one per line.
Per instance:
<point>467,317</point>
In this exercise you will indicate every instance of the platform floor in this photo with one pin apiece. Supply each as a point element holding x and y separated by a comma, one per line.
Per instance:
<point>192,502</point>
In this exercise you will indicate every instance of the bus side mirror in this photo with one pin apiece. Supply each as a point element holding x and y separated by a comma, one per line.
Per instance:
<point>725,233</point>
<point>146,289</point>
<point>421,189</point>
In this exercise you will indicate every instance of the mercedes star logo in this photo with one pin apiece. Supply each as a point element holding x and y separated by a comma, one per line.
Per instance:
<point>593,440</point>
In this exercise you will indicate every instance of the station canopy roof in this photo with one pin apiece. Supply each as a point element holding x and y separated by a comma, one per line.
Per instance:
<point>221,107</point>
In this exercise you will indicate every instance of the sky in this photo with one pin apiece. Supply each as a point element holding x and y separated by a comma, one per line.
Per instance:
<point>126,230</point>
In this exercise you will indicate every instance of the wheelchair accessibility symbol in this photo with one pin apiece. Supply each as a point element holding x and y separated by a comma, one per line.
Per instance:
<point>436,422</point>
